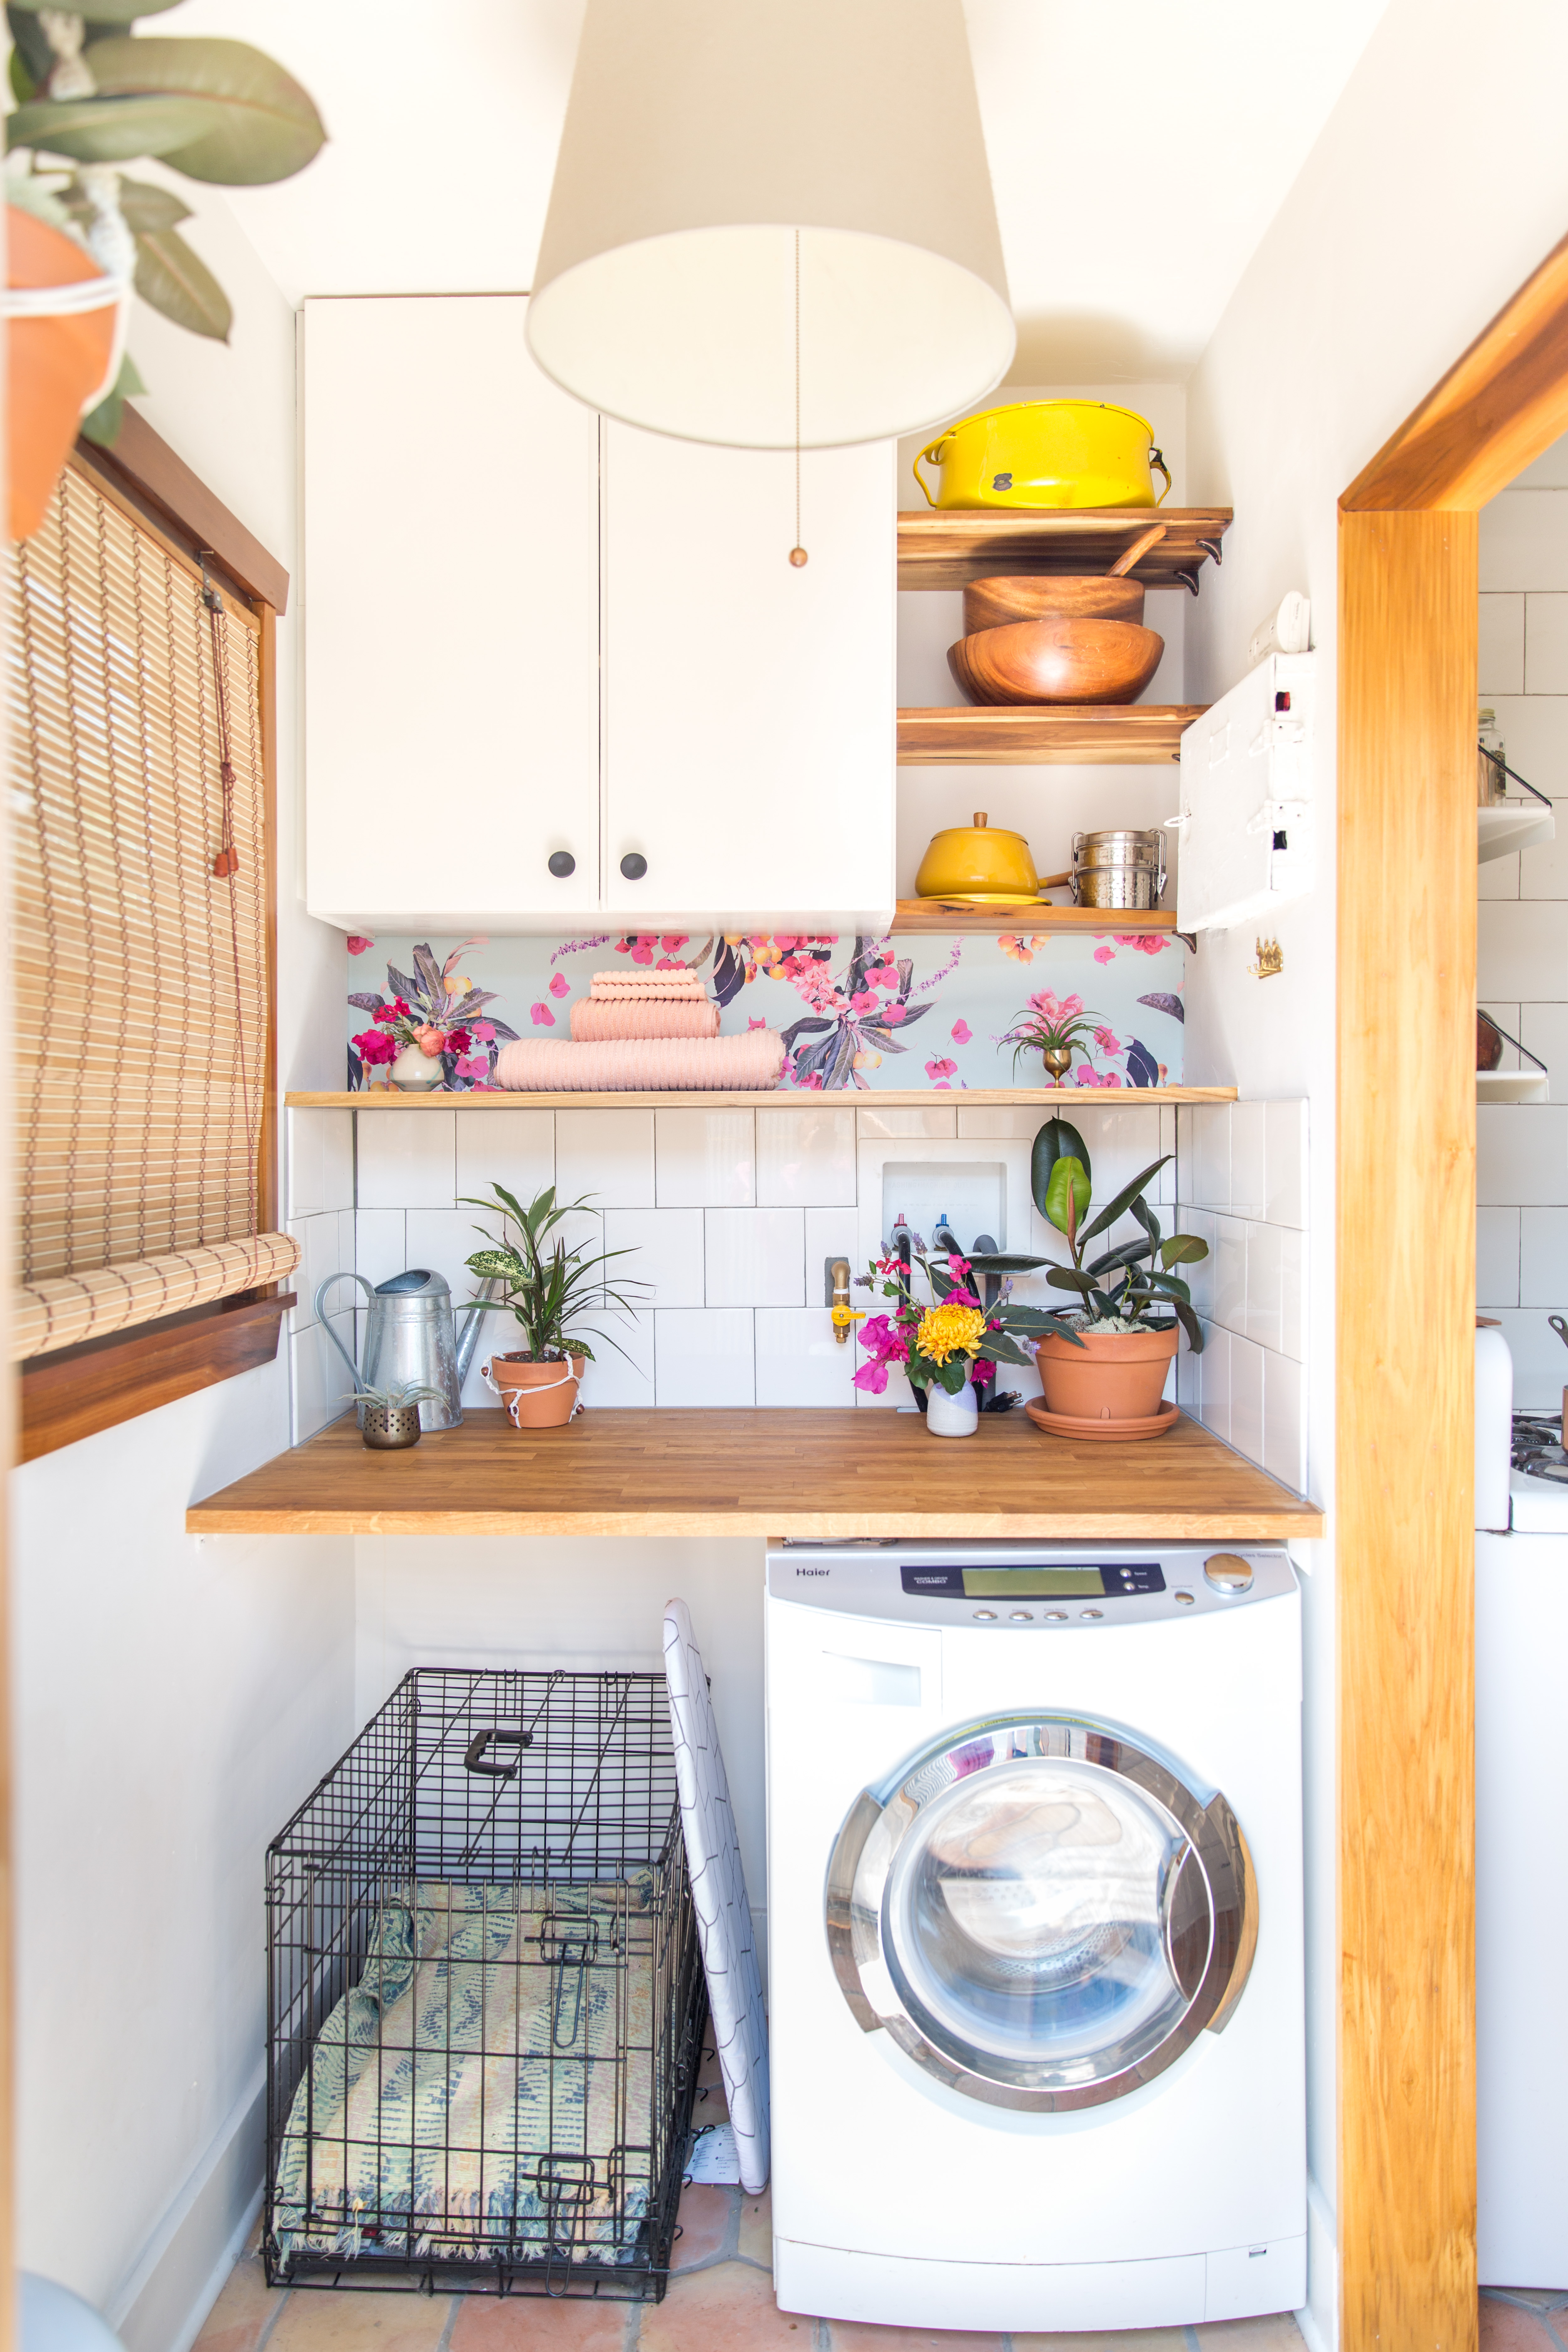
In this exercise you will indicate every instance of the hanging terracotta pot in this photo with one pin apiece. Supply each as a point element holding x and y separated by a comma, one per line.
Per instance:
<point>55,366</point>
<point>536,1395</point>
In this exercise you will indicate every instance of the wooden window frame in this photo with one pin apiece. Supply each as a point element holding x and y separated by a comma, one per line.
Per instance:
<point>1404,1245</point>
<point>72,1392</point>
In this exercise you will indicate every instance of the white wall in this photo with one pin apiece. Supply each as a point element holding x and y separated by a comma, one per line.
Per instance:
<point>172,1706</point>
<point>1408,228</point>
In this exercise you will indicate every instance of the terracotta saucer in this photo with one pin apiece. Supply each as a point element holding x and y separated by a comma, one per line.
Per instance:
<point>1072,1424</point>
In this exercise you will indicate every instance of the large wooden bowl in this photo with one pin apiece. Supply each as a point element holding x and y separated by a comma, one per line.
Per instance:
<point>992,603</point>
<point>1056,661</point>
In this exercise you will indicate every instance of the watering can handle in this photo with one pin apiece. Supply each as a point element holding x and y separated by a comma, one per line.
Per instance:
<point>932,452</point>
<point>321,1290</point>
<point>1156,459</point>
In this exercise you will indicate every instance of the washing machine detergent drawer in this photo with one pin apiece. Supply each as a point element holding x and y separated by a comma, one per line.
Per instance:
<point>1036,1936</point>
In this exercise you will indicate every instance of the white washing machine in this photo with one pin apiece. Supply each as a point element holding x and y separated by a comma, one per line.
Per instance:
<point>1034,1919</point>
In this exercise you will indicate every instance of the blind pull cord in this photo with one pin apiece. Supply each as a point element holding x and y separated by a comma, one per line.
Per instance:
<point>226,864</point>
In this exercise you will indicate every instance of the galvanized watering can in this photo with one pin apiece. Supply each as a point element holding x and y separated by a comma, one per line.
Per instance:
<point>410,1340</point>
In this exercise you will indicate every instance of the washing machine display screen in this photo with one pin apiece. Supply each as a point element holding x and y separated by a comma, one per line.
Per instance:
<point>1084,1580</point>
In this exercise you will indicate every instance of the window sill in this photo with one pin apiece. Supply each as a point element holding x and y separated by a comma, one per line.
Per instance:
<point>73,1392</point>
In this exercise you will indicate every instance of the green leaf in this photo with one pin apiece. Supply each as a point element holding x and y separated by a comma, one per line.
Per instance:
<point>1130,1254</point>
<point>1123,1200</point>
<point>146,208</point>
<point>112,129</point>
<point>1002,1262</point>
<point>1192,1327</point>
<point>1069,1183</point>
<point>263,125</point>
<point>1055,1140</point>
<point>102,423</point>
<point>1068,1277</point>
<point>29,194</point>
<point>1183,1249</point>
<point>30,46</point>
<point>176,280</point>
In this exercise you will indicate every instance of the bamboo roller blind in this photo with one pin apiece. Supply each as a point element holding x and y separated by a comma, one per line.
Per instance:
<point>140,985</point>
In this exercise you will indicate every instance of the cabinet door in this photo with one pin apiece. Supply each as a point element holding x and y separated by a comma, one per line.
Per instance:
<point>451,601</point>
<point>749,706</point>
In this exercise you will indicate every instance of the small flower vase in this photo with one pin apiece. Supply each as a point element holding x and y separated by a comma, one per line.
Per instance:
<point>951,1416</point>
<point>1057,1060</point>
<point>415,1072</point>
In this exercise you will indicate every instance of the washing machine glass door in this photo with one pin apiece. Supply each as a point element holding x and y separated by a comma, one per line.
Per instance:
<point>1040,1912</point>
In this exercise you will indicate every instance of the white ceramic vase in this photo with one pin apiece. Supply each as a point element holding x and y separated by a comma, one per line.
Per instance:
<point>415,1071</point>
<point>952,1416</point>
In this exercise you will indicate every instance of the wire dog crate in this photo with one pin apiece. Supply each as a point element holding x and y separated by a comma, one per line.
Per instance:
<point>485,2000</point>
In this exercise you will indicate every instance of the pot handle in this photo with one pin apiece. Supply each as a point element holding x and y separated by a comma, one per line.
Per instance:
<point>321,1290</point>
<point>933,454</point>
<point>1156,459</point>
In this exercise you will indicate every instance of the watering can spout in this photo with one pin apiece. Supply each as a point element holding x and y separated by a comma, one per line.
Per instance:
<point>469,1330</point>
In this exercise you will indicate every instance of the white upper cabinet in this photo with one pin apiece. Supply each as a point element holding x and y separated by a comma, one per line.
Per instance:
<point>748,705</point>
<point>475,541</point>
<point>451,602</point>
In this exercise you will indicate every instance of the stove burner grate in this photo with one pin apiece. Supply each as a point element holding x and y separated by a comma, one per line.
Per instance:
<point>1538,1449</point>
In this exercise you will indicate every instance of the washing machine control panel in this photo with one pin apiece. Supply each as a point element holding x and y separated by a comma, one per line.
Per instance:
<point>1014,1586</point>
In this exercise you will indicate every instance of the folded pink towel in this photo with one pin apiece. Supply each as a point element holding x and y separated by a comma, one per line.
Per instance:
<point>642,1065</point>
<point>595,1018</point>
<point>608,984</point>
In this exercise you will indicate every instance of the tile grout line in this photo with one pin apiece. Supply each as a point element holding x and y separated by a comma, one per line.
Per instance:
<point>265,2336</point>
<point>1190,2338</point>
<point>455,2305</point>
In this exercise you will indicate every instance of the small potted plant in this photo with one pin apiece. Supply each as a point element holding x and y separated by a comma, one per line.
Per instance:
<point>951,1348</point>
<point>1052,1027</point>
<point>391,1415</point>
<point>549,1288</point>
<point>1107,1357</point>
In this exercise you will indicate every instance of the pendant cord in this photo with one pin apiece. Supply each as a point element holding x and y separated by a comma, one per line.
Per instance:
<point>798,555</point>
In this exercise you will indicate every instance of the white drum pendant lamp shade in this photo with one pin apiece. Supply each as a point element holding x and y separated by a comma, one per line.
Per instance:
<point>700,136</point>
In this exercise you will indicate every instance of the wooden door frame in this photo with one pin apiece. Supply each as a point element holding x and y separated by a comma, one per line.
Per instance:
<point>1405,1240</point>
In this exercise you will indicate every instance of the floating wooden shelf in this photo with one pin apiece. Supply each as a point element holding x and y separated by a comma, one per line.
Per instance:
<point>820,1474</point>
<point>948,550</point>
<point>1503,827</point>
<point>1125,734</point>
<point>782,1098</point>
<point>937,915</point>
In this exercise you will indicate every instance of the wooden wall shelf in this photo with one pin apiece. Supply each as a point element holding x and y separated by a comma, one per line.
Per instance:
<point>1126,734</point>
<point>379,1099</point>
<point>935,915</point>
<point>948,550</point>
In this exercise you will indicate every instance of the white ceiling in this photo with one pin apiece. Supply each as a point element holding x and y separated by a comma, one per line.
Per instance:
<point>1139,152</point>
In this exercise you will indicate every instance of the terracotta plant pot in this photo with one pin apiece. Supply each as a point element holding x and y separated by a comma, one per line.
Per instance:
<point>536,1396</point>
<point>53,366</point>
<point>1116,1376</point>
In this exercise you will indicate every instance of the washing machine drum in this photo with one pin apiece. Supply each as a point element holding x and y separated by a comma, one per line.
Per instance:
<point>1041,1913</point>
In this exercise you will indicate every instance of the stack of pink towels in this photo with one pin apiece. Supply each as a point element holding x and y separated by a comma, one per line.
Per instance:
<point>643,1032</point>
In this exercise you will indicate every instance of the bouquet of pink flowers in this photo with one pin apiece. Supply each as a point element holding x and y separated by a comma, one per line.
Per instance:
<point>953,1339</point>
<point>432,1007</point>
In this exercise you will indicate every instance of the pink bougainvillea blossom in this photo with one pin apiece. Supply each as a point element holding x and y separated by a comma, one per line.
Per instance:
<point>1104,952</point>
<point>483,1030</point>
<point>357,943</point>
<point>542,1016</point>
<point>671,939</point>
<point>1105,1039</point>
<point>473,1065</point>
<point>939,1073</point>
<point>375,1046</point>
<point>957,1266</point>
<point>884,975</point>
<point>1053,1008</point>
<point>871,1378</point>
<point>458,1041</point>
<point>893,1014</point>
<point>981,1371</point>
<point>1146,942</point>
<point>962,1033</point>
<point>863,1001</point>
<point>757,1023</point>
<point>560,985</point>
<point>1085,1077</point>
<point>642,951</point>
<point>393,1010</point>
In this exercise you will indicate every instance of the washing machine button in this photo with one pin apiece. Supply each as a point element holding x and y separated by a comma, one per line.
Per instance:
<point>1228,1572</point>
<point>1186,1599</point>
<point>1022,1616</point>
<point>989,1613</point>
<point>1091,1612</point>
<point>1055,1616</point>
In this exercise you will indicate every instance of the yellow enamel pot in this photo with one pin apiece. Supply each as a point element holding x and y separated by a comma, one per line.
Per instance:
<point>982,858</point>
<point>1046,453</point>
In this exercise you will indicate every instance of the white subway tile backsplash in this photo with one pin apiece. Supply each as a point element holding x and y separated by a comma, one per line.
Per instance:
<point>408,1160</point>
<point>755,1257</point>
<point>1213,1380</point>
<point>1544,1029</point>
<point>1206,1181</point>
<point>622,1371</point>
<point>1293,1295</point>
<point>706,1158</point>
<point>1284,1421</point>
<point>1249,1179</point>
<point>894,1123</point>
<point>514,1147</point>
<point>1501,644</point>
<point>1497,1257</point>
<point>1521,1154</point>
<point>1285,1158</point>
<point>1228,1289</point>
<point>1246,1397</point>
<point>831,1232</point>
<point>608,1154</point>
<point>805,1158</point>
<point>1498,878</point>
<point>668,1256</point>
<point>1540,1360</point>
<point>799,1361</point>
<point>1204,1225</point>
<point>337,1158</point>
<point>1525,541</point>
<point>441,1240</point>
<point>1123,1142</point>
<point>704,1356</point>
<point>1542,1260</point>
<point>1534,728</point>
<point>1546,633</point>
<point>320,1388</point>
<point>1550,472</point>
<point>1263,1311</point>
<point>381,1248</point>
<point>320,1248</point>
<point>319,1154</point>
<point>1517,941</point>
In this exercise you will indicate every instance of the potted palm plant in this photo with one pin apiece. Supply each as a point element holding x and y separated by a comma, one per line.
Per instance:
<point>550,1289</point>
<point>1106,1357</point>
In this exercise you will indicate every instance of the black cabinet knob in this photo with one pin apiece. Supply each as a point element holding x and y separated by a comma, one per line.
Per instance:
<point>562,863</point>
<point>633,867</point>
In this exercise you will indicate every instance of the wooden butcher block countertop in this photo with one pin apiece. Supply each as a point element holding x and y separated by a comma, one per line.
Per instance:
<point>744,1473</point>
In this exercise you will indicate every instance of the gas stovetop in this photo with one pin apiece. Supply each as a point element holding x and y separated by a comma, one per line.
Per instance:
<point>1538,1447</point>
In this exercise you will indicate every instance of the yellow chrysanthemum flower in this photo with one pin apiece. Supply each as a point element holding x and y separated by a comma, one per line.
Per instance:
<point>949,1330</point>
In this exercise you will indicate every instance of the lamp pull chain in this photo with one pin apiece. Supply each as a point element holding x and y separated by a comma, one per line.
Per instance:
<point>797,554</point>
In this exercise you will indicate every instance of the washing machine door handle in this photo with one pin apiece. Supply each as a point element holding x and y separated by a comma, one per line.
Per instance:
<point>1040,1911</point>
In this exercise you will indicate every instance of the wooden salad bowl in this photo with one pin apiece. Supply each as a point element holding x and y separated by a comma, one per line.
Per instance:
<point>1056,661</point>
<point>993,604</point>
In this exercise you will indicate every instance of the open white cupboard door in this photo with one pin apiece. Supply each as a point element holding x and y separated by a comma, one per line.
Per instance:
<point>451,601</point>
<point>1246,823</point>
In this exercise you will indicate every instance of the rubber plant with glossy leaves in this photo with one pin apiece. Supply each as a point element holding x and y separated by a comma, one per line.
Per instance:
<point>1108,1355</point>
<point>91,96</point>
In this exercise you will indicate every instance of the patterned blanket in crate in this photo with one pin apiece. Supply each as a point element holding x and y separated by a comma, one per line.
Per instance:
<point>475,2093</point>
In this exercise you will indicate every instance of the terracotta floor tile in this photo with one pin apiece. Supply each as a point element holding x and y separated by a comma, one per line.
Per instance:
<point>236,2322</point>
<point>1275,2331</point>
<point>1119,2340</point>
<point>1506,2328</point>
<point>756,2238</point>
<point>347,2319</point>
<point>854,2335</point>
<point>1539,2298</point>
<point>712,2108</point>
<point>730,2308</point>
<point>706,2221</point>
<point>519,2323</point>
<point>709,2071</point>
